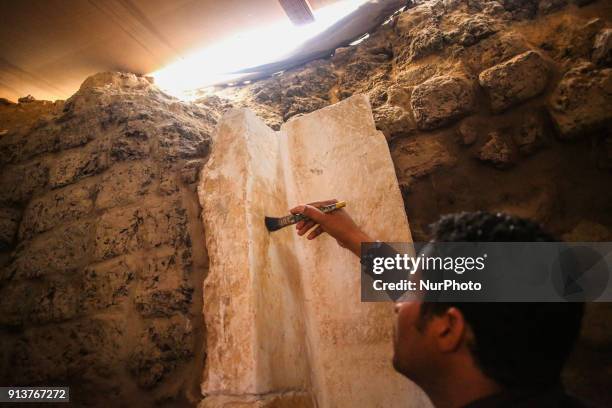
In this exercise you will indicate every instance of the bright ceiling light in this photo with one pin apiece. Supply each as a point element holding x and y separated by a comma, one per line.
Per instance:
<point>267,44</point>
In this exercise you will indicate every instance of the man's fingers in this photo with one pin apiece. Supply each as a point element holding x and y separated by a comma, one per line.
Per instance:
<point>297,210</point>
<point>320,204</point>
<point>300,208</point>
<point>307,225</point>
<point>315,233</point>
<point>313,213</point>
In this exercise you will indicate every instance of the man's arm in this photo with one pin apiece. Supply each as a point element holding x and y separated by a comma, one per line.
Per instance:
<point>338,224</point>
<point>341,226</point>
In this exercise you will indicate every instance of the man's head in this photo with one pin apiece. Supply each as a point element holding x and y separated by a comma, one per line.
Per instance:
<point>516,345</point>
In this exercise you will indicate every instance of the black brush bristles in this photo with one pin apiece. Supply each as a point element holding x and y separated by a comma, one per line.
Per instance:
<point>274,224</point>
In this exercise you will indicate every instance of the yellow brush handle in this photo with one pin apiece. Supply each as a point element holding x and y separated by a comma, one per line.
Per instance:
<point>332,207</point>
<point>292,219</point>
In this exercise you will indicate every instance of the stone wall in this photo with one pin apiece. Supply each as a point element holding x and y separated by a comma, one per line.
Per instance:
<point>494,105</point>
<point>101,285</point>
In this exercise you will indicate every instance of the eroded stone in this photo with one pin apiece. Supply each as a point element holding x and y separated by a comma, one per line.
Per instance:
<point>90,349</point>
<point>469,130</point>
<point>9,224</point>
<point>106,284</point>
<point>127,229</point>
<point>581,102</point>
<point>417,157</point>
<point>164,302</point>
<point>602,48</point>
<point>441,100</point>
<point>529,135</point>
<point>161,346</point>
<point>124,184</point>
<point>497,151</point>
<point>57,207</point>
<point>18,183</point>
<point>78,163</point>
<point>62,250</point>
<point>515,80</point>
<point>393,121</point>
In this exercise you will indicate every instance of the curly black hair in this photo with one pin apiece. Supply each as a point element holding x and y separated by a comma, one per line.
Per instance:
<point>519,345</point>
<point>481,226</point>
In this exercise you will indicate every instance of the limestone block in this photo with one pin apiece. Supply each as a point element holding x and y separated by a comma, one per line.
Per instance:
<point>469,130</point>
<point>62,250</point>
<point>426,41</point>
<point>393,121</point>
<point>515,80</point>
<point>165,267</point>
<point>284,314</point>
<point>78,131</point>
<point>529,136</point>
<point>441,100</point>
<point>473,29</point>
<point>77,163</point>
<point>19,182</point>
<point>162,345</point>
<point>164,302</point>
<point>190,171</point>
<point>106,284</point>
<point>520,9</point>
<point>87,348</point>
<point>124,183</point>
<point>168,180</point>
<point>497,151</point>
<point>17,302</point>
<point>419,156</point>
<point>581,102</point>
<point>55,208</point>
<point>132,144</point>
<point>298,105</point>
<point>11,145</point>
<point>147,226</point>
<point>602,48</point>
<point>549,6</point>
<point>9,224</point>
<point>21,145</point>
<point>180,141</point>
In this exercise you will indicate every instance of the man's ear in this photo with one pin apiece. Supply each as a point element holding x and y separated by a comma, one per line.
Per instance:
<point>450,330</point>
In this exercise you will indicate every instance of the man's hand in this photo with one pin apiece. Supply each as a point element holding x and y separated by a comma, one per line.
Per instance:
<point>337,223</point>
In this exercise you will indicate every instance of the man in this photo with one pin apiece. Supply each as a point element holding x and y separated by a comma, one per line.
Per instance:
<point>473,354</point>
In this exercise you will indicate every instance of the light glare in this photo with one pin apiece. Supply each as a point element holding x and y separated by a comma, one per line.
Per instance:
<point>210,65</point>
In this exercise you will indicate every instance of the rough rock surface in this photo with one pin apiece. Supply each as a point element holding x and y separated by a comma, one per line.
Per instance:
<point>497,151</point>
<point>530,135</point>
<point>441,100</point>
<point>581,102</point>
<point>393,120</point>
<point>602,48</point>
<point>101,288</point>
<point>515,80</point>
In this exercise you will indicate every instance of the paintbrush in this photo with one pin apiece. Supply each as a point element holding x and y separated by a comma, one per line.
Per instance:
<point>274,224</point>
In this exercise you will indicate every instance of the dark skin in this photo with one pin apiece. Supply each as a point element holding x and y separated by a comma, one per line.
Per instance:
<point>435,355</point>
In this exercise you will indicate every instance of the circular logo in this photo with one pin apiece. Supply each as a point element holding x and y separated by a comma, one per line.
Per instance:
<point>580,274</point>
